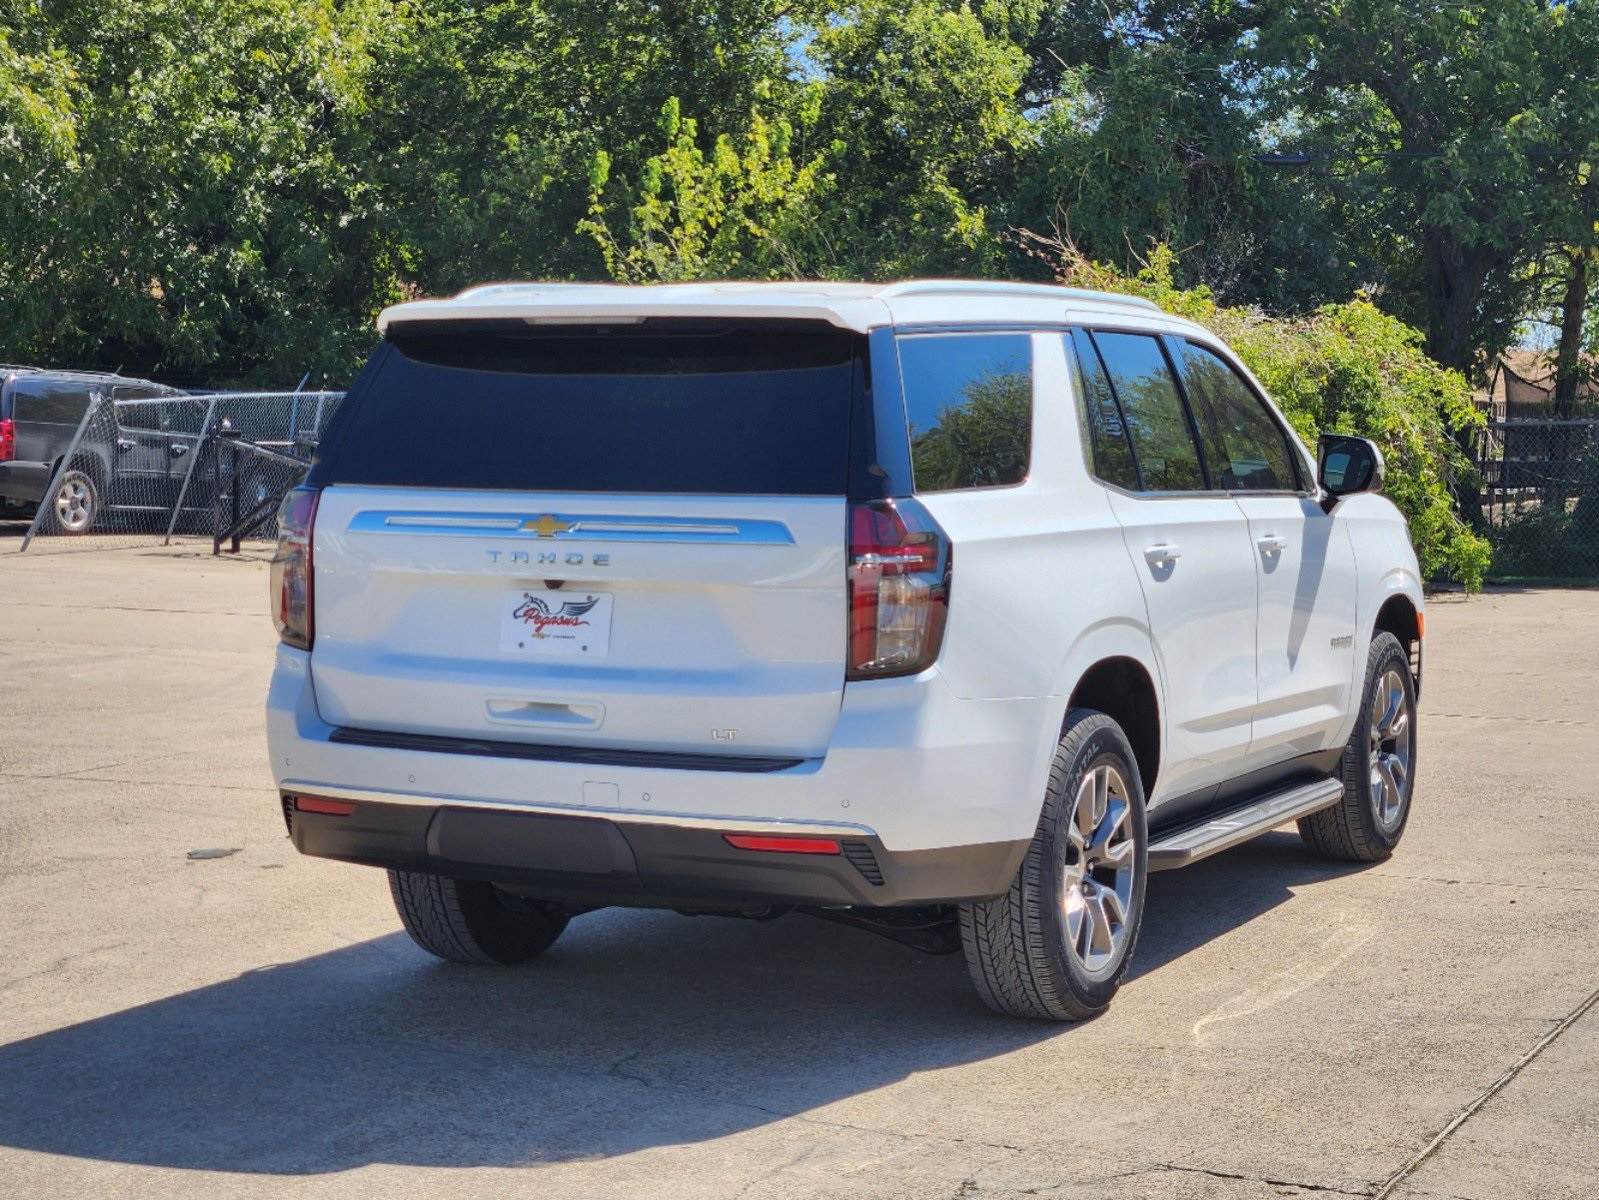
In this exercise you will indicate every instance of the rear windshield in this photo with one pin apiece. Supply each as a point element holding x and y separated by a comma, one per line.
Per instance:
<point>662,407</point>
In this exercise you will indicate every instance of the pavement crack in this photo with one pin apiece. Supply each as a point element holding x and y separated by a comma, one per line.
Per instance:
<point>1517,718</point>
<point>1272,1180</point>
<point>1390,1184</point>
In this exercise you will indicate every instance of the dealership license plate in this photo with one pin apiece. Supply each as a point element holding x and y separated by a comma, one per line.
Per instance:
<point>548,624</point>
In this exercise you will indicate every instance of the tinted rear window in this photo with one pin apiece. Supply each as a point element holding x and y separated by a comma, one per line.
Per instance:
<point>969,406</point>
<point>676,408</point>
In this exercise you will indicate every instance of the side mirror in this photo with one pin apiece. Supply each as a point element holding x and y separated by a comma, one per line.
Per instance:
<point>1347,465</point>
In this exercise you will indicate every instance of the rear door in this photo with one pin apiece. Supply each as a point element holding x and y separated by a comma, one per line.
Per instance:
<point>143,450</point>
<point>1190,548</point>
<point>621,537</point>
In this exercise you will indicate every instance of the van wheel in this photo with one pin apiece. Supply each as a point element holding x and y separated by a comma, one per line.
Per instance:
<point>1058,944</point>
<point>73,505</point>
<point>466,921</point>
<point>1379,765</point>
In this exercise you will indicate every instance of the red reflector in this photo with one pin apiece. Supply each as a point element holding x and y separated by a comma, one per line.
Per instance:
<point>783,845</point>
<point>333,808</point>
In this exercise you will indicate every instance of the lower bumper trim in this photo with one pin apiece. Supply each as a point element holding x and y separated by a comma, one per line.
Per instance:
<point>594,860</point>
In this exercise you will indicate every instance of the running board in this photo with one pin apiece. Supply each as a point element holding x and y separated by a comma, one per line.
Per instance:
<point>1191,843</point>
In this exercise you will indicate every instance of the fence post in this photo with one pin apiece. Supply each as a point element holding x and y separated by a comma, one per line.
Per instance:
<point>95,400</point>
<point>183,491</point>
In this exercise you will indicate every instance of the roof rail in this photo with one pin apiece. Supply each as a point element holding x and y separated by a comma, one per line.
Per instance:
<point>1001,287</point>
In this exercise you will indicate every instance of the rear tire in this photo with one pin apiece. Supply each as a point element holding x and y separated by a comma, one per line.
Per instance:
<point>466,921</point>
<point>1057,945</point>
<point>1379,765</point>
<point>73,504</point>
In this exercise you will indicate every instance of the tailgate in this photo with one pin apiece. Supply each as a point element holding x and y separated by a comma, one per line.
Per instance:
<point>628,536</point>
<point>706,625</point>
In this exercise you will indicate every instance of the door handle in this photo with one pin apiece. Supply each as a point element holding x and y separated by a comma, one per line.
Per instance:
<point>1272,544</point>
<point>1155,555</point>
<point>125,444</point>
<point>179,449</point>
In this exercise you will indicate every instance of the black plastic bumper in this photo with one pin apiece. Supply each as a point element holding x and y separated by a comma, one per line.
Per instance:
<point>597,861</point>
<point>24,482</point>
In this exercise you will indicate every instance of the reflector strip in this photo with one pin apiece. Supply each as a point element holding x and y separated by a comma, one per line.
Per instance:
<point>1421,625</point>
<point>783,845</point>
<point>333,808</point>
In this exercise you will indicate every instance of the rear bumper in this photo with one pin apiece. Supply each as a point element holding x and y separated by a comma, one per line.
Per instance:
<point>908,763</point>
<point>600,861</point>
<point>24,482</point>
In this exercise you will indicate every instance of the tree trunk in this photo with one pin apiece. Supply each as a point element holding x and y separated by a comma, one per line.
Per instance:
<point>1455,281</point>
<point>1573,307</point>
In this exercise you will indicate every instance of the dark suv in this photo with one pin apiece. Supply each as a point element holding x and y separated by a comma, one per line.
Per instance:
<point>134,458</point>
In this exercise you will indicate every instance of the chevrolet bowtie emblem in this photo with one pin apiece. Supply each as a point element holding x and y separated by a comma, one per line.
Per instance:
<point>546,526</point>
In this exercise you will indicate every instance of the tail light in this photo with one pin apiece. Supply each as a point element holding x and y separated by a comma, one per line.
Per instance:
<point>899,569</point>
<point>8,440</point>
<point>292,609</point>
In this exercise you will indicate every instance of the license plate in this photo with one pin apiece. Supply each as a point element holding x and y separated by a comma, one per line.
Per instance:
<point>547,624</point>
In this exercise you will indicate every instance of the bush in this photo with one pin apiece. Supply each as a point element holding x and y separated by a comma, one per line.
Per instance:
<point>1345,368</point>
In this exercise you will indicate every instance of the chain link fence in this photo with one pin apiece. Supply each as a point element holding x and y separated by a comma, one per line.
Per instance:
<point>1540,493</point>
<point>186,469</point>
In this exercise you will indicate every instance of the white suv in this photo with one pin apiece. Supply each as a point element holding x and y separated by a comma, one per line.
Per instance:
<point>948,609</point>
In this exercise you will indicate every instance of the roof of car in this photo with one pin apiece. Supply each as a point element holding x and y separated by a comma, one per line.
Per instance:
<point>68,373</point>
<point>858,306</point>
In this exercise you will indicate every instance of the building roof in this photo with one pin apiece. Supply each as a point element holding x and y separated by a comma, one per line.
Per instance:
<point>857,306</point>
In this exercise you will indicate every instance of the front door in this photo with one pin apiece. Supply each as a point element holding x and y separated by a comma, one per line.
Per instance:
<point>1304,561</point>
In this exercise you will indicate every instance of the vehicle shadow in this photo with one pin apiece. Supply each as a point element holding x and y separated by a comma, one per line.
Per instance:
<point>637,1030</point>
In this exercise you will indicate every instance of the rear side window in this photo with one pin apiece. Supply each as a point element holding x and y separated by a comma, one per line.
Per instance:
<point>1168,458</point>
<point>1245,447</point>
<point>49,403</point>
<point>666,407</point>
<point>969,404</point>
<point>1108,442</point>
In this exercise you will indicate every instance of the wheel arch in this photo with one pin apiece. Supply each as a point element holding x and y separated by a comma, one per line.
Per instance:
<point>1399,616</point>
<point>1123,688</point>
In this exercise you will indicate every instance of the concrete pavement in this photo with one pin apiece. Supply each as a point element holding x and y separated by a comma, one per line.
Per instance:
<point>255,1024</point>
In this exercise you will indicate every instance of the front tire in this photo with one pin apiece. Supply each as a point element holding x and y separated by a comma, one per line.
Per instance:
<point>466,921</point>
<point>1379,765</point>
<point>1058,944</point>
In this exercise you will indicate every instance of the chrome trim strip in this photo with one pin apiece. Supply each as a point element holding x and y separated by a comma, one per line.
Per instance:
<point>634,816</point>
<point>702,530</point>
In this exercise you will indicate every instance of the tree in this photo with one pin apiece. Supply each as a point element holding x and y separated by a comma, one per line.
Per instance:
<point>495,113</point>
<point>1147,113</point>
<point>918,113</point>
<point>747,211</point>
<point>206,218</point>
<point>1448,127</point>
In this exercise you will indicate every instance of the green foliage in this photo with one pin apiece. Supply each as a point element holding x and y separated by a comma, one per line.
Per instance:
<point>1345,368</point>
<point>1458,134</point>
<point>186,203</point>
<point>228,190</point>
<point>747,211</point>
<point>921,114</point>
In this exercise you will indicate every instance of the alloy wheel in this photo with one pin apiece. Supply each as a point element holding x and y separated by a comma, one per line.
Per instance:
<point>1098,885</point>
<point>74,504</point>
<point>1392,746</point>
